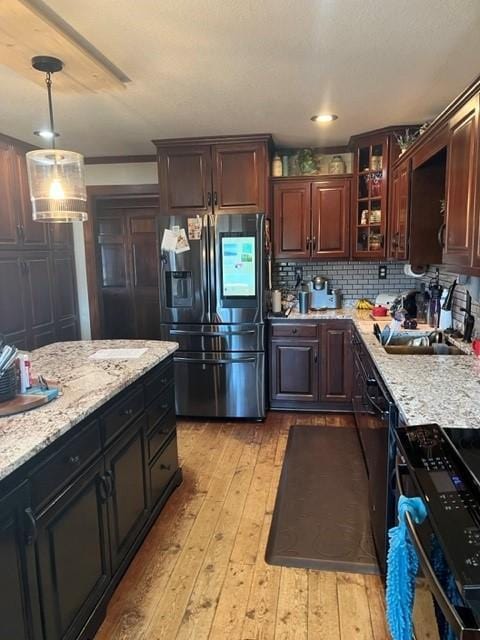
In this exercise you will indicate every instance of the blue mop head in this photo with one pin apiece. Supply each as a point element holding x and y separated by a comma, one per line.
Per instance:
<point>402,568</point>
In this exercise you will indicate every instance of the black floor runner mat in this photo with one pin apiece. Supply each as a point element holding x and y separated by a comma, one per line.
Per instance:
<point>321,518</point>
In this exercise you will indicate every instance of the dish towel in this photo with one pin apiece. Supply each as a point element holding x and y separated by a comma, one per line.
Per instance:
<point>447,581</point>
<point>402,568</point>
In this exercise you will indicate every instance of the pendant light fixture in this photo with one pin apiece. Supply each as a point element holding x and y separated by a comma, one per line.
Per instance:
<point>56,177</point>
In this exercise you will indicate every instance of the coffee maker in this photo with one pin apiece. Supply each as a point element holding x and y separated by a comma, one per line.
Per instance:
<point>323,298</point>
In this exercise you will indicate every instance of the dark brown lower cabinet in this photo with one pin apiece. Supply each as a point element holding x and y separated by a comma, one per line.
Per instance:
<point>310,373</point>
<point>65,546</point>
<point>73,555</point>
<point>336,362</point>
<point>19,602</point>
<point>127,507</point>
<point>294,370</point>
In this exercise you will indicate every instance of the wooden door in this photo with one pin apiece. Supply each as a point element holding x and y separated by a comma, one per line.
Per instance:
<point>294,370</point>
<point>239,177</point>
<point>118,318</point>
<point>330,218</point>
<point>34,235</point>
<point>461,182</point>
<point>336,362</point>
<point>19,604</point>
<point>13,305</point>
<point>291,219</point>
<point>144,262</point>
<point>39,295</point>
<point>185,179</point>
<point>65,292</point>
<point>73,558</point>
<point>128,505</point>
<point>10,224</point>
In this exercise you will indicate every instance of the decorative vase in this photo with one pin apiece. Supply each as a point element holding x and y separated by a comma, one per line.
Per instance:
<point>276,166</point>
<point>337,165</point>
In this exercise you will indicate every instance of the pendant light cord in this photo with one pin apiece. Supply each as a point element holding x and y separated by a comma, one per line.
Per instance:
<point>48,81</point>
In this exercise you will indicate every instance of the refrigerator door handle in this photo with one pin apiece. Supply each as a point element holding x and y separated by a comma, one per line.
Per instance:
<point>212,267</point>
<point>214,362</point>
<point>220,334</point>
<point>205,262</point>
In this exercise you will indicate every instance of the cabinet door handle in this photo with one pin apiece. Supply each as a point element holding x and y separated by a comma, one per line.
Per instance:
<point>314,242</point>
<point>441,234</point>
<point>308,242</point>
<point>127,412</point>
<point>20,234</point>
<point>215,201</point>
<point>31,537</point>
<point>294,331</point>
<point>315,357</point>
<point>110,478</point>
<point>103,488</point>
<point>209,199</point>
<point>163,380</point>
<point>74,460</point>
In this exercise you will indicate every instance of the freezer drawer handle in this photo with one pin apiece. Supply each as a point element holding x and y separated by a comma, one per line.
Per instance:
<point>214,362</point>
<point>217,334</point>
<point>449,611</point>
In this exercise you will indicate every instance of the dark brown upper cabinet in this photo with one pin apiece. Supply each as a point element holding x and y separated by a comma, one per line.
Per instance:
<point>399,210</point>
<point>185,177</point>
<point>460,236</point>
<point>373,155</point>
<point>213,175</point>
<point>291,218</point>
<point>330,218</point>
<point>240,174</point>
<point>10,230</point>
<point>311,218</point>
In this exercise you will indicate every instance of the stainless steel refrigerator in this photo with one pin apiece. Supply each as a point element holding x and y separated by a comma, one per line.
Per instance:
<point>213,304</point>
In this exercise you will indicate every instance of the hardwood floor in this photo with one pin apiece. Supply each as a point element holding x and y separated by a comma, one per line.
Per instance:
<point>201,574</point>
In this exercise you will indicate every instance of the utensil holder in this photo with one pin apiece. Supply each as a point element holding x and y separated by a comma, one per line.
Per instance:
<point>8,384</point>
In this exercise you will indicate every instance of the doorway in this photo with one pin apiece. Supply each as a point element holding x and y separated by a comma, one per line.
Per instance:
<point>123,235</point>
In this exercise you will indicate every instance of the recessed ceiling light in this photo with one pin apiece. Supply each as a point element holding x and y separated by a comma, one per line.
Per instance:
<point>45,133</point>
<point>324,117</point>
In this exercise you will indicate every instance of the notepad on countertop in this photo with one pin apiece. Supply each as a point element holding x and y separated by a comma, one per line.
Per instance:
<point>118,354</point>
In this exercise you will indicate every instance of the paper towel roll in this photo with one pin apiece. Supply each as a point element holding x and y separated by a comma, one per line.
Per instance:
<point>413,272</point>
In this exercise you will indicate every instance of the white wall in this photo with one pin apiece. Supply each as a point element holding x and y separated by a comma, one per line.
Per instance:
<point>121,173</point>
<point>104,174</point>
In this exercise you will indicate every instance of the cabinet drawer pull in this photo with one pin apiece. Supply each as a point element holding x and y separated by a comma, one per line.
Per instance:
<point>31,537</point>
<point>127,412</point>
<point>74,459</point>
<point>164,380</point>
<point>164,406</point>
<point>294,331</point>
<point>166,467</point>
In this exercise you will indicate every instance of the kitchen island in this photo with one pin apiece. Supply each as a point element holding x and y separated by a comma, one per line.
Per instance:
<point>82,479</point>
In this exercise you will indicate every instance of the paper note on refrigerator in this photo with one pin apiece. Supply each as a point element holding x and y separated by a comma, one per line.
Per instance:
<point>176,240</point>
<point>169,240</point>
<point>194,226</point>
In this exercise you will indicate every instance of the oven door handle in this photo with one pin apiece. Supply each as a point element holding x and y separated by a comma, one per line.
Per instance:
<point>448,609</point>
<point>216,361</point>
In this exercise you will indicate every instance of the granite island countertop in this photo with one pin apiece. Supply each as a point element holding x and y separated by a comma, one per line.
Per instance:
<point>86,385</point>
<point>425,388</point>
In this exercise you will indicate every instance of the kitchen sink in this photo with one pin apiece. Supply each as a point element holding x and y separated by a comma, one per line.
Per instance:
<point>432,350</point>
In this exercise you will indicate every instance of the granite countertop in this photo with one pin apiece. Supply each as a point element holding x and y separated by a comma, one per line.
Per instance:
<point>86,386</point>
<point>425,388</point>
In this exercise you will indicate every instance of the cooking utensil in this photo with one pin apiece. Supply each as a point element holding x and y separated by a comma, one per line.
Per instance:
<point>469,319</point>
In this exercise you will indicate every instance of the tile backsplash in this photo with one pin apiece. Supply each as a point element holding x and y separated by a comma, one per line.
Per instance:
<point>355,279</point>
<point>459,296</point>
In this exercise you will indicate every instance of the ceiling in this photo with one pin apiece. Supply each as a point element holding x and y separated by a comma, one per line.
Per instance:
<point>246,66</point>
